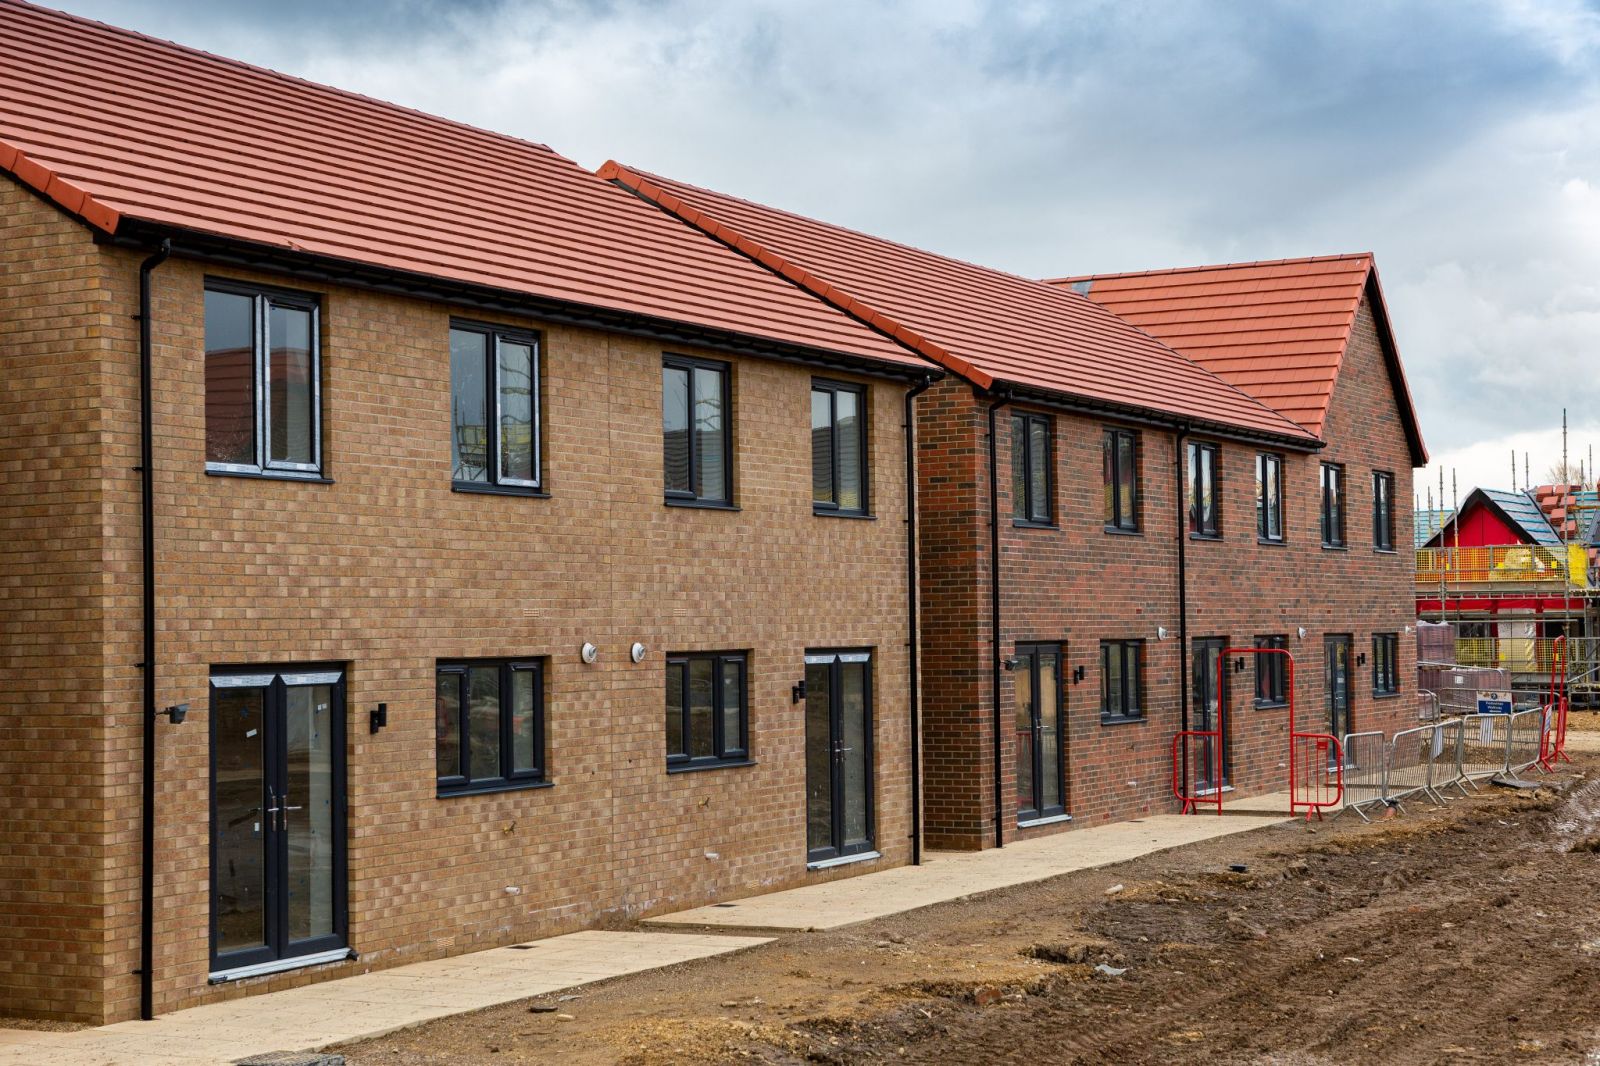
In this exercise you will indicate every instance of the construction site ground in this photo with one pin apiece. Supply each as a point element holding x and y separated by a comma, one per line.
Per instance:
<point>1463,934</point>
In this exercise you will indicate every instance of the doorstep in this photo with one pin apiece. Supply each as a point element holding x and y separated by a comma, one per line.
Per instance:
<point>949,875</point>
<point>1257,804</point>
<point>367,1005</point>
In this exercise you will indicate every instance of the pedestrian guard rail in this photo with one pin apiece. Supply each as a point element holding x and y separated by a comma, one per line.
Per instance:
<point>1455,753</point>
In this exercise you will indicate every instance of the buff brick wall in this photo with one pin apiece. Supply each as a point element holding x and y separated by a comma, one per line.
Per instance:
<point>1078,585</point>
<point>386,570</point>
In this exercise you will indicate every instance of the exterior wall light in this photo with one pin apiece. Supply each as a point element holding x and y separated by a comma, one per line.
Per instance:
<point>589,653</point>
<point>176,713</point>
<point>1302,632</point>
<point>636,653</point>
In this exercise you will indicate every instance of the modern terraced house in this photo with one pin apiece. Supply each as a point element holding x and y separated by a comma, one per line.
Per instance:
<point>414,542</point>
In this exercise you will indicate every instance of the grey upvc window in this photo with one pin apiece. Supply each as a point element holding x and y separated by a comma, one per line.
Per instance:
<point>1332,505</point>
<point>1121,680</point>
<point>1272,673</point>
<point>707,710</point>
<point>697,432</point>
<point>1204,518</point>
<point>489,722</point>
<point>1269,497</point>
<point>838,448</point>
<point>1121,458</point>
<point>1383,510</point>
<point>1385,664</point>
<point>263,373</point>
<point>494,408</point>
<point>1032,486</point>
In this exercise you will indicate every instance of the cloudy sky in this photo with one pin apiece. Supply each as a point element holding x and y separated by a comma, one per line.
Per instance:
<point>1459,140</point>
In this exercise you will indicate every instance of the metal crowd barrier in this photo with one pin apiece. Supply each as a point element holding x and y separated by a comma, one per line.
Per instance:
<point>1485,742</point>
<point>1365,771</point>
<point>1526,740</point>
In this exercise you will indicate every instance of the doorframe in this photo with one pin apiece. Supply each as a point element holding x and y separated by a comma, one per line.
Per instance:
<point>1225,733</point>
<point>1349,642</point>
<point>837,852</point>
<point>276,954</point>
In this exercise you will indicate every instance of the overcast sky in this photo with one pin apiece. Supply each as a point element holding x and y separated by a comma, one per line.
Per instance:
<point>1458,140</point>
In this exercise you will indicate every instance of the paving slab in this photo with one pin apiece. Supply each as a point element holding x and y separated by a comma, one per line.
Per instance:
<point>1585,741</point>
<point>949,875</point>
<point>367,1005</point>
<point>1266,803</point>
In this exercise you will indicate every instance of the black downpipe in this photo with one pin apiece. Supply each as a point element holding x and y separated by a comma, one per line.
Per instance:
<point>911,615</point>
<point>1183,590</point>
<point>994,615</point>
<point>147,518</point>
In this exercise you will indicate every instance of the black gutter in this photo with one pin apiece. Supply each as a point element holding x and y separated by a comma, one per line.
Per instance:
<point>1183,592</point>
<point>147,536</point>
<point>329,270</point>
<point>911,615</point>
<point>994,614</point>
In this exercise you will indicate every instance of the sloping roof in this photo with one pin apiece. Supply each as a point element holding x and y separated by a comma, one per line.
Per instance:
<point>116,127</point>
<point>1519,509</point>
<point>1276,329</point>
<point>988,326</point>
<point>1426,524</point>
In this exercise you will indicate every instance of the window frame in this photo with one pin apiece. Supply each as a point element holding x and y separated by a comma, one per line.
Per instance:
<point>1383,512</point>
<point>833,388</point>
<point>462,783</point>
<point>691,498</point>
<point>1115,520</point>
<point>1334,538</point>
<point>1274,669</point>
<point>498,484</point>
<point>1027,519</point>
<point>1196,473</point>
<point>1385,664</point>
<point>263,299</point>
<point>1269,462</point>
<point>1130,681</point>
<point>721,754</point>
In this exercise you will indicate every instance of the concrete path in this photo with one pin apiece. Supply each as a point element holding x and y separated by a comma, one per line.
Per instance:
<point>951,875</point>
<point>368,1005</point>
<point>1270,803</point>
<point>1585,741</point>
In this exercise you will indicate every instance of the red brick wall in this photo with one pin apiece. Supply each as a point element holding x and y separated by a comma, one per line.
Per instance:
<point>1079,585</point>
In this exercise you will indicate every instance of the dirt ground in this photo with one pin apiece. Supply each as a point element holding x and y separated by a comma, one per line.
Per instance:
<point>1463,935</point>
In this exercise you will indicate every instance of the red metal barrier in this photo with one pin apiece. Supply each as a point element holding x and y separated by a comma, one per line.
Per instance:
<point>1316,773</point>
<point>1180,766</point>
<point>1553,727</point>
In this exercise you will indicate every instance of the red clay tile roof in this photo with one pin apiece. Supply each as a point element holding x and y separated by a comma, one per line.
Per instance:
<point>1276,329</point>
<point>115,127</point>
<point>986,325</point>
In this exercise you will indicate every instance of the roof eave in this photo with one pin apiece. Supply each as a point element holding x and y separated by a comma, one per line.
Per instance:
<point>314,267</point>
<point>1397,374</point>
<point>56,190</point>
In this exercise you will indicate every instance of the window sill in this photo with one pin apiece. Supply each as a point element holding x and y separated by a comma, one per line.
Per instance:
<point>271,475</point>
<point>1118,531</point>
<point>1023,523</point>
<point>479,488</point>
<point>1048,819</point>
<point>484,790</point>
<point>1271,705</point>
<point>844,860</point>
<point>1272,542</point>
<point>1123,719</point>
<point>239,973</point>
<point>1384,551</point>
<point>1335,547</point>
<point>1205,536</point>
<point>695,767</point>
<point>700,505</point>
<point>1387,695</point>
<point>825,512</point>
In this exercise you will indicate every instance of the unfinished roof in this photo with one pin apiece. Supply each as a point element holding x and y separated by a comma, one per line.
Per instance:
<point>118,129</point>
<point>989,326</point>
<point>1519,510</point>
<point>1276,329</point>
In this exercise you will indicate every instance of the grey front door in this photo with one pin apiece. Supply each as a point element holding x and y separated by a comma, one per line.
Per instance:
<point>838,697</point>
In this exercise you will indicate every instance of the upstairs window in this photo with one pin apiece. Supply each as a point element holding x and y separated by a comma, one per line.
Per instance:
<point>1383,510</point>
<point>1122,480</point>
<point>1332,505</point>
<point>1031,485</point>
<point>697,442</point>
<point>1272,673</point>
<point>1269,497</point>
<point>494,408</point>
<point>706,711</point>
<point>1203,506</point>
<point>838,448</point>
<point>1385,664</point>
<point>263,389</point>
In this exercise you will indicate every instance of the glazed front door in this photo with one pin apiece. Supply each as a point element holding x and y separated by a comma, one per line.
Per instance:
<point>1208,672</point>
<point>277,825</point>
<point>1337,684</point>
<point>1041,785</point>
<point>838,695</point>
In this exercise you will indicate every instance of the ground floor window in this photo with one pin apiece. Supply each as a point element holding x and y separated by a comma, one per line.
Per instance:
<point>1385,664</point>
<point>1272,673</point>
<point>489,716</point>
<point>706,710</point>
<point>1121,680</point>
